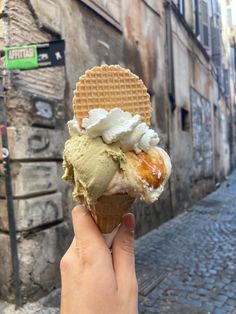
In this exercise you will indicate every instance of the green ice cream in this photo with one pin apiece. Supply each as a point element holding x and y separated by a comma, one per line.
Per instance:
<point>90,165</point>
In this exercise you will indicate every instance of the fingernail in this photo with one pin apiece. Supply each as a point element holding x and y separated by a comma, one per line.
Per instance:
<point>128,220</point>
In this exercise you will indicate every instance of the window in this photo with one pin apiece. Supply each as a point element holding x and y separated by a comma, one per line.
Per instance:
<point>204,33</point>
<point>202,136</point>
<point>196,17</point>
<point>184,116</point>
<point>180,5</point>
<point>201,22</point>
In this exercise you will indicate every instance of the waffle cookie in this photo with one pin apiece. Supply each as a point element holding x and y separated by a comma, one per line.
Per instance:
<point>111,86</point>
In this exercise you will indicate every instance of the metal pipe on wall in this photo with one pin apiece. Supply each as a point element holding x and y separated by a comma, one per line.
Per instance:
<point>170,57</point>
<point>9,194</point>
<point>170,84</point>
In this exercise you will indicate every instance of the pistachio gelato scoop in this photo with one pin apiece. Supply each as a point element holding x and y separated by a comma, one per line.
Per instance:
<point>90,164</point>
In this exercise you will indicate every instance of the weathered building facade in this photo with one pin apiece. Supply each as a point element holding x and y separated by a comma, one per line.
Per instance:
<point>184,51</point>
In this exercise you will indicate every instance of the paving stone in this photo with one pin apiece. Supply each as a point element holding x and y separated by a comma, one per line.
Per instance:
<point>183,300</point>
<point>172,298</point>
<point>220,284</point>
<point>202,291</point>
<point>190,289</point>
<point>212,271</point>
<point>196,303</point>
<point>218,303</point>
<point>209,286</point>
<point>208,306</point>
<point>222,298</point>
<point>231,302</point>
<point>228,308</point>
<point>211,280</point>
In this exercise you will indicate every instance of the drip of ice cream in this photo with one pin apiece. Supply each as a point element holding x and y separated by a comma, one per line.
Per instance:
<point>117,126</point>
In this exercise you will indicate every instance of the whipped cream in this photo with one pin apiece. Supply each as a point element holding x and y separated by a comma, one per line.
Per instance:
<point>120,126</point>
<point>73,127</point>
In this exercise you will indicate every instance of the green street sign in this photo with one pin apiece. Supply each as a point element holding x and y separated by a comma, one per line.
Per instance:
<point>35,55</point>
<point>21,57</point>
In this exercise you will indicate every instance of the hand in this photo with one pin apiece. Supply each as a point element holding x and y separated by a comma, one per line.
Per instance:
<point>94,280</point>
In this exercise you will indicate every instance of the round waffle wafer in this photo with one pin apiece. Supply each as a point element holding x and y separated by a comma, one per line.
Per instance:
<point>111,86</point>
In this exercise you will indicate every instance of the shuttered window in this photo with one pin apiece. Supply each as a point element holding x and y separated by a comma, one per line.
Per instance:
<point>201,19</point>
<point>196,17</point>
<point>180,5</point>
<point>204,34</point>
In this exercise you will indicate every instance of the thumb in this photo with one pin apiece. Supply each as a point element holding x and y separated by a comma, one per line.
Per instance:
<point>123,251</point>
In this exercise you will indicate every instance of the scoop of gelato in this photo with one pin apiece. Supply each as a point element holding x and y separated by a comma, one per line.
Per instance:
<point>90,164</point>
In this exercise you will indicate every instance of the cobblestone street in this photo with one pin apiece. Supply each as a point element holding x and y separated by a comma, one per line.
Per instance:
<point>188,265</point>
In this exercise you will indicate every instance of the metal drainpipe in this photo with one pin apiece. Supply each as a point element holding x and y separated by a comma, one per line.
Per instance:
<point>9,194</point>
<point>170,83</point>
<point>170,61</point>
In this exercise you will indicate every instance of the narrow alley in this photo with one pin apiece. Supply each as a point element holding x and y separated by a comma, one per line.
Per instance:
<point>188,265</point>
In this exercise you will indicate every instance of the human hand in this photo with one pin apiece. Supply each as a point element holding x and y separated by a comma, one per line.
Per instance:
<point>94,280</point>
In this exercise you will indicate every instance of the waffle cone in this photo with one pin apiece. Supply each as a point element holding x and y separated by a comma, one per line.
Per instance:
<point>110,86</point>
<point>109,210</point>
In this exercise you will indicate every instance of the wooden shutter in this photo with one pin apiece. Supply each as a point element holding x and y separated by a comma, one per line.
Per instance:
<point>180,5</point>
<point>204,24</point>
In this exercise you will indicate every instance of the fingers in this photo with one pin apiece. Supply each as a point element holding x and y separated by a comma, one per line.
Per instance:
<point>88,239</point>
<point>123,251</point>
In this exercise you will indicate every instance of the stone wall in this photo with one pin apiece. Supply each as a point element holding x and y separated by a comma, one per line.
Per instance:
<point>36,116</point>
<point>199,125</point>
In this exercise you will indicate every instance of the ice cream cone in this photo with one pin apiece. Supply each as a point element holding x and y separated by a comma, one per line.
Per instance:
<point>102,169</point>
<point>109,210</point>
<point>108,87</point>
